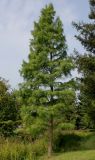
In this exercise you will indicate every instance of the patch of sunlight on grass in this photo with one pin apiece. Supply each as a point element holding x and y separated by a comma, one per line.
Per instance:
<point>78,155</point>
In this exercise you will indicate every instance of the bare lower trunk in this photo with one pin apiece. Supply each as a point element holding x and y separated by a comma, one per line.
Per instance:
<point>50,138</point>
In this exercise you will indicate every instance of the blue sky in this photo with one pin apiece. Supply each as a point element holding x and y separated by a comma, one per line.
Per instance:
<point>16,22</point>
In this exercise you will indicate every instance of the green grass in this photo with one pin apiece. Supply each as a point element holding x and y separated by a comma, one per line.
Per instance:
<point>76,145</point>
<point>78,155</point>
<point>15,149</point>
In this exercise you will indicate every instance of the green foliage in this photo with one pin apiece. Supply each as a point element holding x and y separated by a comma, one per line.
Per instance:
<point>16,149</point>
<point>44,97</point>
<point>7,127</point>
<point>13,149</point>
<point>73,140</point>
<point>66,141</point>
<point>86,66</point>
<point>66,126</point>
<point>88,142</point>
<point>39,148</point>
<point>9,113</point>
<point>92,13</point>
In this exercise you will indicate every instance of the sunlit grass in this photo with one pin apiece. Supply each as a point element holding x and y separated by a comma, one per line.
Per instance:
<point>15,149</point>
<point>78,155</point>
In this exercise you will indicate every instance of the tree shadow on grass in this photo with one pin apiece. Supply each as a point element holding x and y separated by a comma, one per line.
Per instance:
<point>74,141</point>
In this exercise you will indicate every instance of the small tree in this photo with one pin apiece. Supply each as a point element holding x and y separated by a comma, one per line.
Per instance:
<point>45,95</point>
<point>8,109</point>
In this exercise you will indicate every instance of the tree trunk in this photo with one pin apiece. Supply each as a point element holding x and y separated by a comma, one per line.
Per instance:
<point>50,130</point>
<point>50,138</point>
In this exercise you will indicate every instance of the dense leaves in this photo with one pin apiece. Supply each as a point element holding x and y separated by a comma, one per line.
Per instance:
<point>8,109</point>
<point>44,73</point>
<point>86,65</point>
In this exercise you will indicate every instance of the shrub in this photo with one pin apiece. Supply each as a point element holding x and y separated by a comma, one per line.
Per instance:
<point>66,126</point>
<point>66,141</point>
<point>7,127</point>
<point>88,142</point>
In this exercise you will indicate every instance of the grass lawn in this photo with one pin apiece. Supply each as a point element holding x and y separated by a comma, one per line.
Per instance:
<point>78,155</point>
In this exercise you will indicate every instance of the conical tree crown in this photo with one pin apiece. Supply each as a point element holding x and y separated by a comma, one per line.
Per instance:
<point>47,66</point>
<point>47,58</point>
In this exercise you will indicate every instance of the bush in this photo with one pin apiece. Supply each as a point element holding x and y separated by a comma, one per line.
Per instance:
<point>7,127</point>
<point>74,140</point>
<point>66,141</point>
<point>66,126</point>
<point>88,142</point>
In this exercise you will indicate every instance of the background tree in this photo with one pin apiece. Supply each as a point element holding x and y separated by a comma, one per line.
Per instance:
<point>8,109</point>
<point>47,98</point>
<point>86,65</point>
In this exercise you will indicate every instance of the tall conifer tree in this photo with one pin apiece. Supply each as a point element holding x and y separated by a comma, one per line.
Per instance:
<point>44,93</point>
<point>86,62</point>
